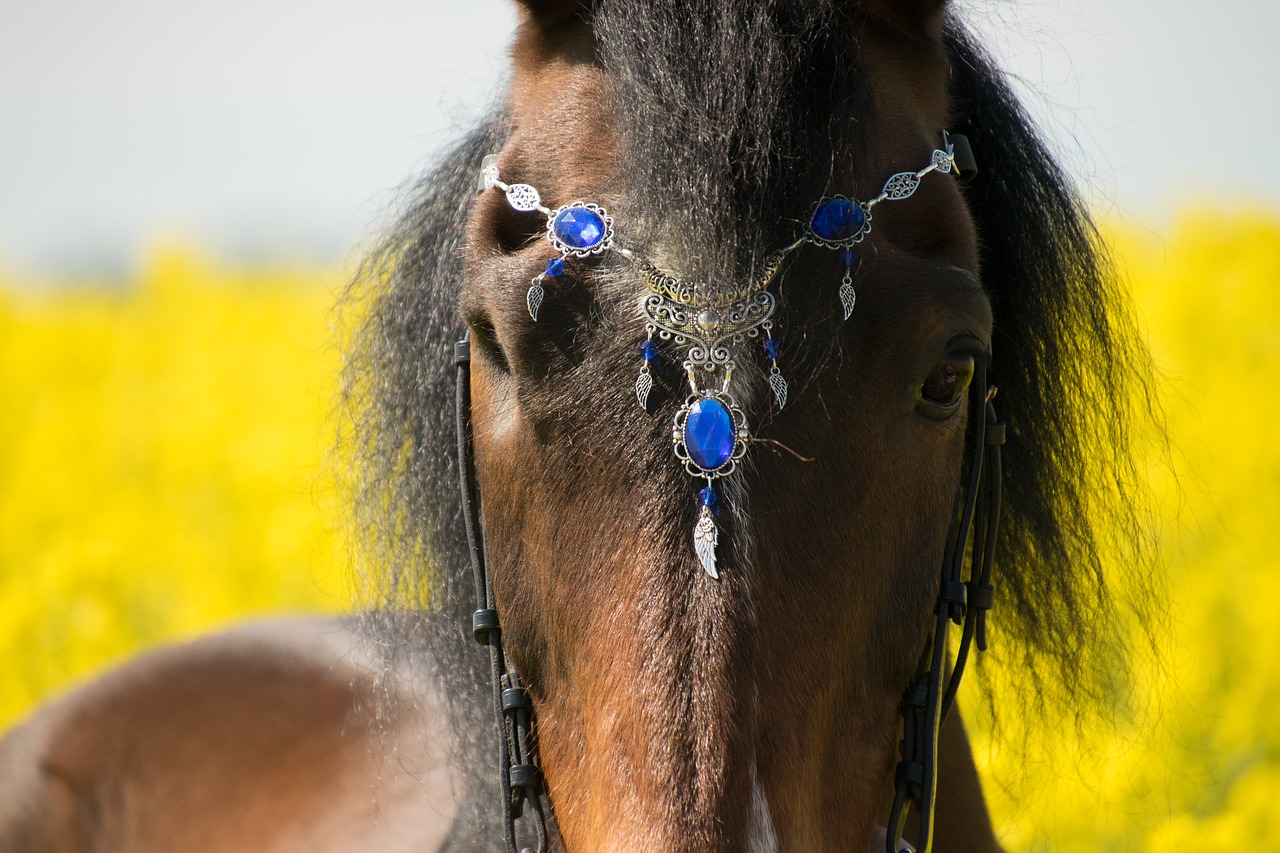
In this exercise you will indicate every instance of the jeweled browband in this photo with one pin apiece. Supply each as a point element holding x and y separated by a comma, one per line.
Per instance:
<point>710,433</point>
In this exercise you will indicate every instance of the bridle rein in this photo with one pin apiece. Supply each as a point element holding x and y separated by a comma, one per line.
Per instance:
<point>963,598</point>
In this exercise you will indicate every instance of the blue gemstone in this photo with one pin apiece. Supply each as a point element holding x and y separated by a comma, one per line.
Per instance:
<point>649,350</point>
<point>837,220</point>
<point>578,227</point>
<point>708,496</point>
<point>772,349</point>
<point>708,434</point>
<point>555,267</point>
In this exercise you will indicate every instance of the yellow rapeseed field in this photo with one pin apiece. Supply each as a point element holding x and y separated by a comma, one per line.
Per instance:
<point>163,448</point>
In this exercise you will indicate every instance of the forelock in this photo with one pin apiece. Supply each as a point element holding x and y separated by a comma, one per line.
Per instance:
<point>726,116</point>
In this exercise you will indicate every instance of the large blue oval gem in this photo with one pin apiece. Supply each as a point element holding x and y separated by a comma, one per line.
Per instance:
<point>578,227</point>
<point>709,434</point>
<point>838,220</point>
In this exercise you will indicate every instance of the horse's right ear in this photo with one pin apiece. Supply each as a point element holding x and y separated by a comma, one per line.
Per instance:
<point>546,12</point>
<point>923,16</point>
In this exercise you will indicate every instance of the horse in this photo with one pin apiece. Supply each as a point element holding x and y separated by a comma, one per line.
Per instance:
<point>264,737</point>
<point>710,589</point>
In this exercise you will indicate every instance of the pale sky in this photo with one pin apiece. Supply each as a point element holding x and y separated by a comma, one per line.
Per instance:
<point>282,127</point>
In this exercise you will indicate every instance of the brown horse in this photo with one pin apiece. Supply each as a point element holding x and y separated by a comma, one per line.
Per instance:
<point>673,710</point>
<point>267,737</point>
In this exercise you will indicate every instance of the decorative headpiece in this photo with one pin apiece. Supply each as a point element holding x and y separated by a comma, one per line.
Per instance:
<point>710,434</point>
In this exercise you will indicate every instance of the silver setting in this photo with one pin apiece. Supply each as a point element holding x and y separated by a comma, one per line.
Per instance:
<point>740,435</point>
<point>900,186</point>
<point>489,177</point>
<point>811,236</point>
<point>523,198</point>
<point>606,242</point>
<point>904,184</point>
<point>709,344</point>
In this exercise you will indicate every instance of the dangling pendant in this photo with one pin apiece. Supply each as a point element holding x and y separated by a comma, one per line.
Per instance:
<point>644,382</point>
<point>555,269</point>
<point>841,223</point>
<point>580,229</point>
<point>847,294</point>
<point>534,298</point>
<point>705,534</point>
<point>777,383</point>
<point>709,435</point>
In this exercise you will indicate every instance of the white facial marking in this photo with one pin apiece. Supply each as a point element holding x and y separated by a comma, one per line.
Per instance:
<point>761,837</point>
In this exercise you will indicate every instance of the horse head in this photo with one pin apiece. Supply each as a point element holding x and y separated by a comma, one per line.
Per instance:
<point>749,700</point>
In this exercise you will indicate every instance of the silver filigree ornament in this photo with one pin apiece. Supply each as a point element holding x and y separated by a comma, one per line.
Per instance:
<point>840,222</point>
<point>579,229</point>
<point>709,433</point>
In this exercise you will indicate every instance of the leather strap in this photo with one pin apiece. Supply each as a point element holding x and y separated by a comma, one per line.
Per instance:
<point>518,774</point>
<point>961,600</point>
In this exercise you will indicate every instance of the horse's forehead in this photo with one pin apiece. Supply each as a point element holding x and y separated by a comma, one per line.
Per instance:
<point>716,153</point>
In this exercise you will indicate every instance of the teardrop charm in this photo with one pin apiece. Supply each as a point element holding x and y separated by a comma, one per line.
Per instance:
<point>644,384</point>
<point>705,539</point>
<point>534,299</point>
<point>779,386</point>
<point>847,298</point>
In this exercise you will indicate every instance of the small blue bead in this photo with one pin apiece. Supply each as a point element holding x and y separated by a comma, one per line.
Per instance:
<point>708,496</point>
<point>555,267</point>
<point>850,259</point>
<point>772,349</point>
<point>837,220</point>
<point>579,228</point>
<point>649,350</point>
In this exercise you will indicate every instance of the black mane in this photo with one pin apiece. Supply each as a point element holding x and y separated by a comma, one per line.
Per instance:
<point>1067,360</point>
<point>1075,386</point>
<point>398,385</point>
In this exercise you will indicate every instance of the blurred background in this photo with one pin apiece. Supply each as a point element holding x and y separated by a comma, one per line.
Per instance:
<point>185,188</point>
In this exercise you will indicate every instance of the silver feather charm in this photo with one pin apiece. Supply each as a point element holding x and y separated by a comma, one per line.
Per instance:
<point>644,384</point>
<point>534,299</point>
<point>847,298</point>
<point>705,538</point>
<point>779,386</point>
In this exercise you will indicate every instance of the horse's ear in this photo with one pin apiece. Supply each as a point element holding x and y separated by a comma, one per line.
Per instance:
<point>547,12</point>
<point>917,16</point>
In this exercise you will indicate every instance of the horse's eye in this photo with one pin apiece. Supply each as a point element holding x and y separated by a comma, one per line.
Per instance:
<point>944,388</point>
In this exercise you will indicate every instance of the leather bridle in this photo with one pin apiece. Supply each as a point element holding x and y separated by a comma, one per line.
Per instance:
<point>963,598</point>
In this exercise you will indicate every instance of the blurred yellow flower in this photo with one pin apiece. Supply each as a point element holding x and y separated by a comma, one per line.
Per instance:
<point>160,453</point>
<point>163,452</point>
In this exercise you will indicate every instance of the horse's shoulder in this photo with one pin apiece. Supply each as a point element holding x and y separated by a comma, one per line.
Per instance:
<point>276,735</point>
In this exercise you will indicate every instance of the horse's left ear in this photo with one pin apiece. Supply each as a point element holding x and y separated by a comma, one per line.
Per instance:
<point>915,16</point>
<point>547,12</point>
